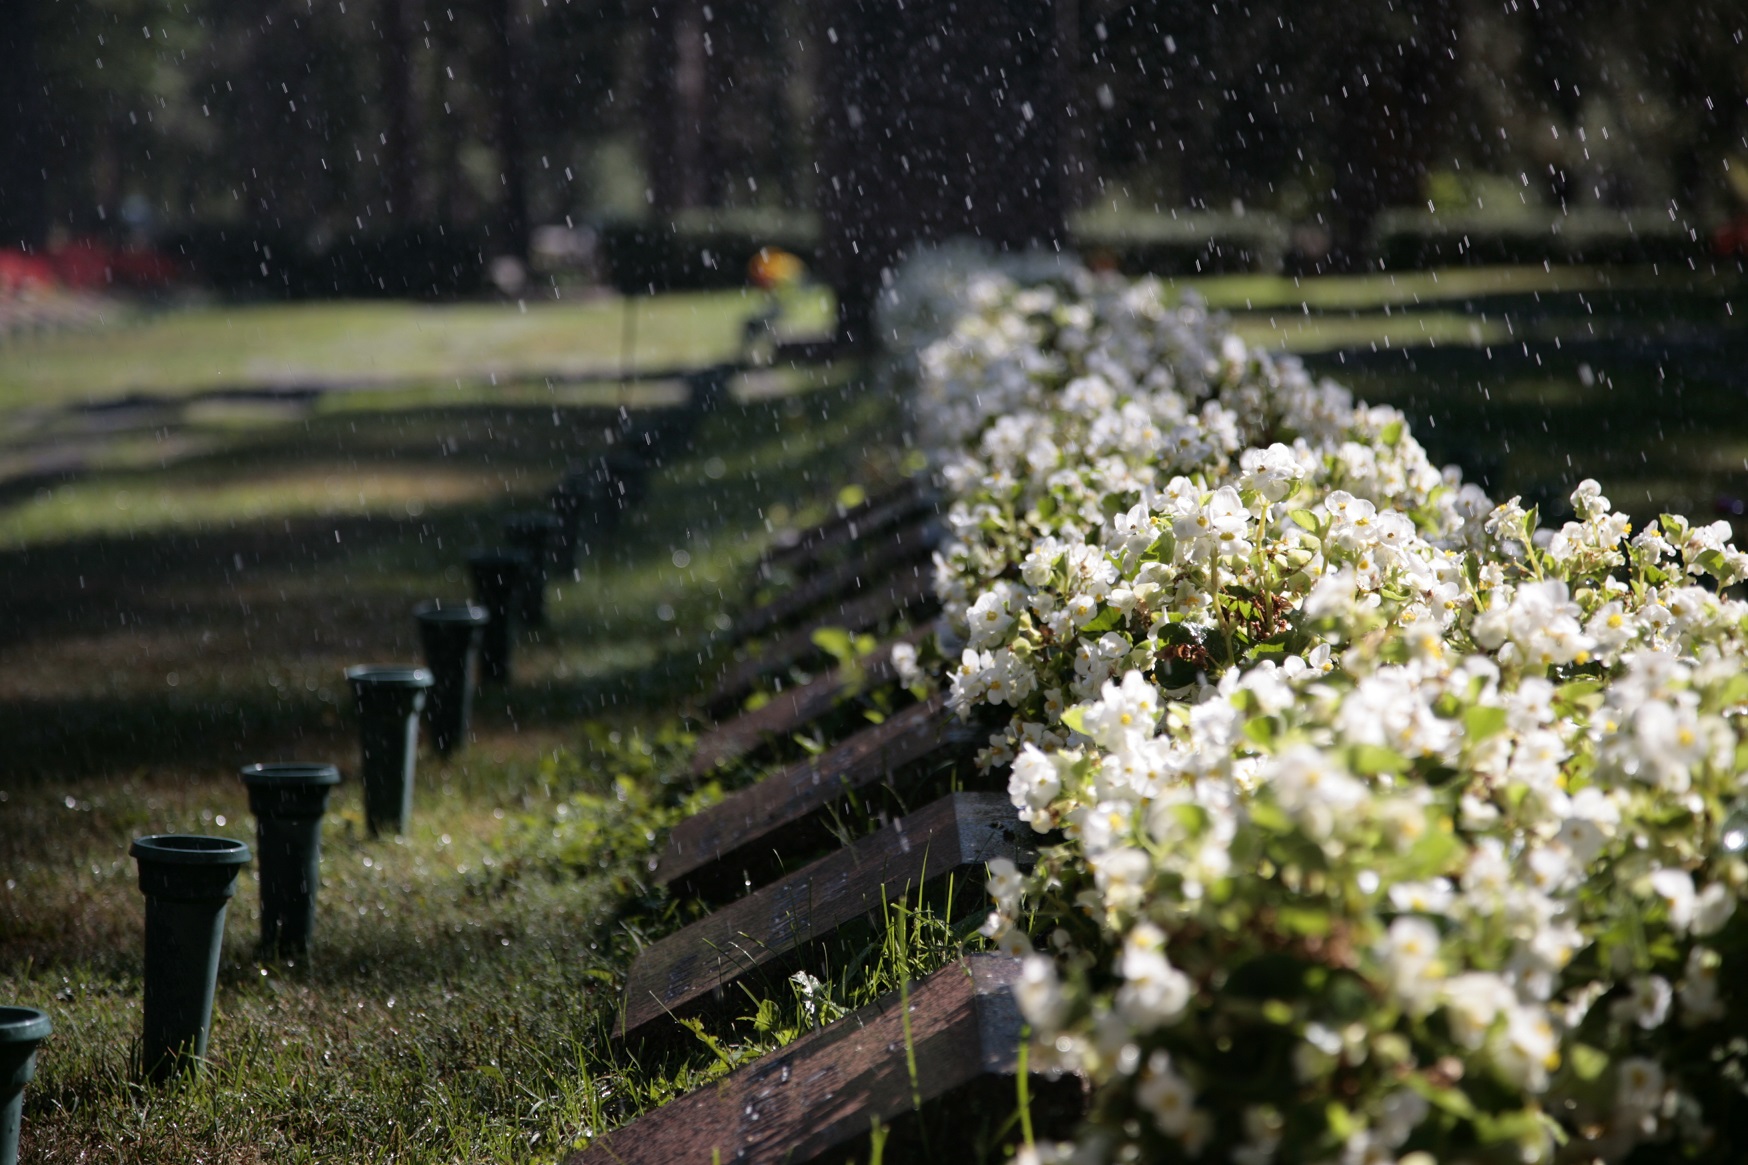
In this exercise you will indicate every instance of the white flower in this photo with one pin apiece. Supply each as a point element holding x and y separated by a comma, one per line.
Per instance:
<point>1271,472</point>
<point>1638,1085</point>
<point>1125,714</point>
<point>1712,908</point>
<point>989,619</point>
<point>1154,992</point>
<point>1165,1095</point>
<point>904,664</point>
<point>1648,1004</point>
<point>1033,784</point>
<point>1675,887</point>
<point>1698,992</point>
<point>1038,993</point>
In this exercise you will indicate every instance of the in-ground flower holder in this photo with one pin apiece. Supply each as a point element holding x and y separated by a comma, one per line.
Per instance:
<point>535,534</point>
<point>22,1029</point>
<point>188,881</point>
<point>960,1030</point>
<point>575,502</point>
<point>389,699</point>
<point>451,634</point>
<point>288,801</point>
<point>498,578</point>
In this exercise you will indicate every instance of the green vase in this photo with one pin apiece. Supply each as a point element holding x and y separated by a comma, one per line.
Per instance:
<point>288,801</point>
<point>498,577</point>
<point>536,534</point>
<point>188,881</point>
<point>451,634</point>
<point>389,698</point>
<point>21,1030</point>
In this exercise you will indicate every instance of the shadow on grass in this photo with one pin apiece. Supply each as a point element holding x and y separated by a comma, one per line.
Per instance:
<point>224,642</point>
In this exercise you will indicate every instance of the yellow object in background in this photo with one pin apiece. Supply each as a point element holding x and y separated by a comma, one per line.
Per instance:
<point>773,269</point>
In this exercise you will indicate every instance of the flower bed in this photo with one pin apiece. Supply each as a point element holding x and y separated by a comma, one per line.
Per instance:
<point>1387,826</point>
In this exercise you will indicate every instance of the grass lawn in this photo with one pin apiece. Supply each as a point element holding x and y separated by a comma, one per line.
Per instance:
<point>187,352</point>
<point>165,625</point>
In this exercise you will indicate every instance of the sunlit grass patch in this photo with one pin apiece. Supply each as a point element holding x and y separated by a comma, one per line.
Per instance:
<point>146,503</point>
<point>185,352</point>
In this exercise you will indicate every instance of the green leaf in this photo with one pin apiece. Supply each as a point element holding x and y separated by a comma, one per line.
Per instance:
<point>1075,718</point>
<point>1368,760</point>
<point>1482,721</point>
<point>1108,619</point>
<point>1278,1012</point>
<point>1304,920</point>
<point>1266,815</point>
<point>1435,852</point>
<point>1712,562</point>
<point>1262,731</point>
<point>1588,1063</point>
<point>1391,434</point>
<point>835,642</point>
<point>1452,1100</point>
<point>1306,520</point>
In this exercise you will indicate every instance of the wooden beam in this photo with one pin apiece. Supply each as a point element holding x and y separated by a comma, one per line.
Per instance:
<point>896,550</point>
<point>909,589</point>
<point>873,515</point>
<point>770,930</point>
<point>740,840</point>
<point>793,708</point>
<point>960,1027</point>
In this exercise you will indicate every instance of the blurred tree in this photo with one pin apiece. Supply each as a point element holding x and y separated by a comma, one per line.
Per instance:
<point>937,119</point>
<point>397,21</point>
<point>504,70</point>
<point>677,122</point>
<point>25,112</point>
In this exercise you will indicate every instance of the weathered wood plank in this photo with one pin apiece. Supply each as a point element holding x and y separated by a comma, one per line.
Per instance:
<point>794,707</point>
<point>739,839</point>
<point>898,548</point>
<point>826,1089</point>
<point>768,929</point>
<point>876,513</point>
<point>909,589</point>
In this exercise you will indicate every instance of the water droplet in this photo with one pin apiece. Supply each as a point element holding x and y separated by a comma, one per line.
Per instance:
<point>1733,837</point>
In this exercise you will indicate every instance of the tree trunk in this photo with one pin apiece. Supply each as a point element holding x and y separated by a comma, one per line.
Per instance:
<point>25,112</point>
<point>507,59</point>
<point>940,119</point>
<point>1393,83</point>
<point>676,106</point>
<point>398,19</point>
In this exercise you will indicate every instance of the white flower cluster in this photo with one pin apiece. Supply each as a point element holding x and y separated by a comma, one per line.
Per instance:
<point>1392,827</point>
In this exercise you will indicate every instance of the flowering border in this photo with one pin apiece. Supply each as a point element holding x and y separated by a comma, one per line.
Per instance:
<point>1387,825</point>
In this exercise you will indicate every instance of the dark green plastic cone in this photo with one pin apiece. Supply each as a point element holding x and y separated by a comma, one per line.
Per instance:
<point>451,633</point>
<point>536,534</point>
<point>21,1030</point>
<point>389,699</point>
<point>498,578</point>
<point>188,881</point>
<point>288,801</point>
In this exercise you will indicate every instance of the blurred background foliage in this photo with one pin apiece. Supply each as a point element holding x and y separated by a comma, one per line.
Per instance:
<point>396,147</point>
